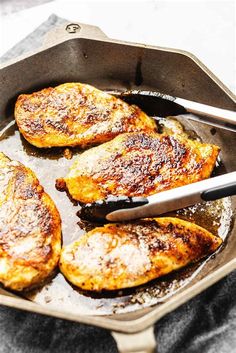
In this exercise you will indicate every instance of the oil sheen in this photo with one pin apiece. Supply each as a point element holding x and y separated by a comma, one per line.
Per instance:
<point>48,164</point>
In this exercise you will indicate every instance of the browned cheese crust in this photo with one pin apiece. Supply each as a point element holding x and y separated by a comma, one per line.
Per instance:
<point>118,256</point>
<point>76,114</point>
<point>30,228</point>
<point>138,164</point>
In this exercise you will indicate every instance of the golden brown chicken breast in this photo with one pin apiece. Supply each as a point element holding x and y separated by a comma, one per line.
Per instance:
<point>138,164</point>
<point>76,114</point>
<point>30,228</point>
<point>118,256</point>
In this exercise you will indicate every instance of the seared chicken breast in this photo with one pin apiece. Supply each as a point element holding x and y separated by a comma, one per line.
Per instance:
<point>138,164</point>
<point>76,114</point>
<point>118,256</point>
<point>30,228</point>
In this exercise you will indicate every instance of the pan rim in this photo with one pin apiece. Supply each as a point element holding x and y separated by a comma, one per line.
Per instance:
<point>117,324</point>
<point>156,312</point>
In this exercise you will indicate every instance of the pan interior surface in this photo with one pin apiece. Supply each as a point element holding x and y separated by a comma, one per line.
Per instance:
<point>49,164</point>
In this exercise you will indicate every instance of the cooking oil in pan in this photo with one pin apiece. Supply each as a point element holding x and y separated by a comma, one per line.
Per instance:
<point>49,164</point>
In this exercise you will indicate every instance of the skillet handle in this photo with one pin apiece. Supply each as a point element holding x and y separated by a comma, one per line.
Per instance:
<point>71,30</point>
<point>140,342</point>
<point>60,34</point>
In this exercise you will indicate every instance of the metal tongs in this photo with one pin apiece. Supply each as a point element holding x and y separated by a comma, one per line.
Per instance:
<point>124,208</point>
<point>159,105</point>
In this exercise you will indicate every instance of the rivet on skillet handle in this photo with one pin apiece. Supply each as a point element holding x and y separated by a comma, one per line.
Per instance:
<point>140,342</point>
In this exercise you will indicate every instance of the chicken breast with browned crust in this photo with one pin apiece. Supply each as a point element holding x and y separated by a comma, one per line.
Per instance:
<point>118,256</point>
<point>138,164</point>
<point>30,228</point>
<point>76,114</point>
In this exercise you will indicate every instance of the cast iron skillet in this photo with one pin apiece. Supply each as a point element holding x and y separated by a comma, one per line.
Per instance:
<point>77,52</point>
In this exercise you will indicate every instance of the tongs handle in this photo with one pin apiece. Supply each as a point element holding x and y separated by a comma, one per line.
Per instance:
<point>174,199</point>
<point>222,116</point>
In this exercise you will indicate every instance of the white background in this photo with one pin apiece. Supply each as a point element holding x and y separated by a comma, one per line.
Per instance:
<point>205,28</point>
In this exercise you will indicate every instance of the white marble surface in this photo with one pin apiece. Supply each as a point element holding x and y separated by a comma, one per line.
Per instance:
<point>10,6</point>
<point>205,28</point>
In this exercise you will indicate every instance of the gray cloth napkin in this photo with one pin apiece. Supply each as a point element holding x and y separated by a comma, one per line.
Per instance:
<point>205,324</point>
